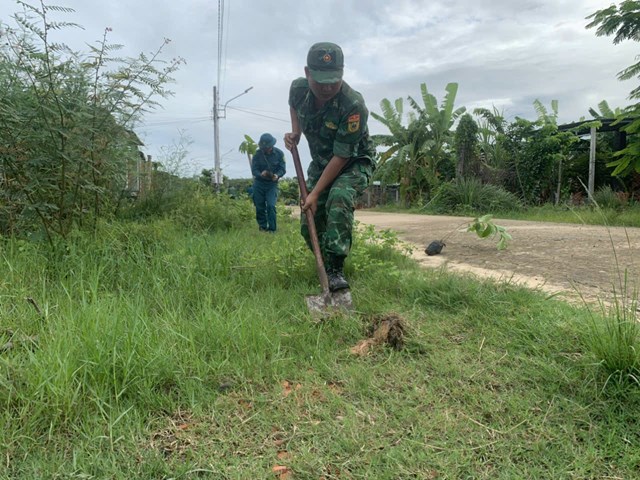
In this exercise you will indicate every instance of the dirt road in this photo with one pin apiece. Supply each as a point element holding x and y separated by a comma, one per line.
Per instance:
<point>556,258</point>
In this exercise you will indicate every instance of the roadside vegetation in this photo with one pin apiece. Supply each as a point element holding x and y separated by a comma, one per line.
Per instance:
<point>587,215</point>
<point>438,158</point>
<point>151,350</point>
<point>150,331</point>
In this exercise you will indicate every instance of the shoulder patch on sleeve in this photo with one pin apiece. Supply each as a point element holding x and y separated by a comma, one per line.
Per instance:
<point>353,123</point>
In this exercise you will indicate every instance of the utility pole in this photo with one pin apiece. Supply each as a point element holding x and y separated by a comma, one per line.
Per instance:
<point>216,177</point>
<point>218,113</point>
<point>592,163</point>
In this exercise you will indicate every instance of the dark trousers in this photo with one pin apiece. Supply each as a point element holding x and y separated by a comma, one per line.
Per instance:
<point>264,198</point>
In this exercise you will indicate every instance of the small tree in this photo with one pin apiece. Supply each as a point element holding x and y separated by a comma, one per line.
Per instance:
<point>536,151</point>
<point>466,143</point>
<point>250,147</point>
<point>66,124</point>
<point>623,21</point>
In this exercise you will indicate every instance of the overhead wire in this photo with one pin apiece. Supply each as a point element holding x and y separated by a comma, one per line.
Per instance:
<point>226,49</point>
<point>189,121</point>
<point>220,33</point>
<point>257,114</point>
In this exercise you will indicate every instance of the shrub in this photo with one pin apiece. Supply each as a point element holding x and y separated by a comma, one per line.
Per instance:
<point>190,205</point>
<point>207,212</point>
<point>471,196</point>
<point>66,145</point>
<point>605,197</point>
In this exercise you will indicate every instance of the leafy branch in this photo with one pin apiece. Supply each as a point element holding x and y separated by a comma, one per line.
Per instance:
<point>485,228</point>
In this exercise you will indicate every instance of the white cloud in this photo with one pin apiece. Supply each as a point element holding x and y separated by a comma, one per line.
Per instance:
<point>501,52</point>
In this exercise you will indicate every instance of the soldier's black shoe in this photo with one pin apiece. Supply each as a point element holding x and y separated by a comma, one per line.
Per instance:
<point>335,274</point>
<point>337,280</point>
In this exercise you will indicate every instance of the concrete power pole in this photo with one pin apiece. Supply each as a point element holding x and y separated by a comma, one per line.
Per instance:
<point>216,176</point>
<point>592,163</point>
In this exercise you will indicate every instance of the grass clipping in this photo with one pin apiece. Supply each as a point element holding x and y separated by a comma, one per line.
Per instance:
<point>387,329</point>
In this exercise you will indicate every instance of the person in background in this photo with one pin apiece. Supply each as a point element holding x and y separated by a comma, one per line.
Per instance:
<point>333,118</point>
<point>267,167</point>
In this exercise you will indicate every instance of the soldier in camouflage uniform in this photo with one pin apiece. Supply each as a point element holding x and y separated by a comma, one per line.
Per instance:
<point>333,118</point>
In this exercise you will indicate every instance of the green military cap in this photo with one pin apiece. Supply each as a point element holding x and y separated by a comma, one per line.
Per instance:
<point>326,62</point>
<point>266,140</point>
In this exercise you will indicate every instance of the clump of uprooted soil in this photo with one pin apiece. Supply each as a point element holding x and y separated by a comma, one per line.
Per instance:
<point>382,330</point>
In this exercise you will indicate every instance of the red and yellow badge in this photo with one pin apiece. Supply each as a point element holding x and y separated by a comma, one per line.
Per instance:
<point>353,123</point>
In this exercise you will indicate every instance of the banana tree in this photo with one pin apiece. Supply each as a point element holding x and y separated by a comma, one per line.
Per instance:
<point>406,146</point>
<point>491,132</point>
<point>605,111</point>
<point>250,147</point>
<point>416,151</point>
<point>439,121</point>
<point>544,116</point>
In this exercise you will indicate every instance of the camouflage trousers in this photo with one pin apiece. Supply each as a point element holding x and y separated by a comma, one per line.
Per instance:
<point>334,217</point>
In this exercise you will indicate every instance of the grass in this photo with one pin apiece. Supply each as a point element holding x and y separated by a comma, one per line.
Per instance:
<point>620,217</point>
<point>156,352</point>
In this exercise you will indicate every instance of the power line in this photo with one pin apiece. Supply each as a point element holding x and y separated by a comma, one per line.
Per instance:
<point>257,114</point>
<point>165,115</point>
<point>177,122</point>
<point>226,49</point>
<point>220,41</point>
<point>259,110</point>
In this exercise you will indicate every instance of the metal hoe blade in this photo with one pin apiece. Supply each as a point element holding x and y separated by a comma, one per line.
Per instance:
<point>330,302</point>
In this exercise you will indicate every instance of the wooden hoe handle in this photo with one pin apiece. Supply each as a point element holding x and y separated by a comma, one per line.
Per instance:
<point>313,233</point>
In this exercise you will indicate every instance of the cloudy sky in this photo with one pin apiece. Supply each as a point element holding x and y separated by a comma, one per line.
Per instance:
<point>503,53</point>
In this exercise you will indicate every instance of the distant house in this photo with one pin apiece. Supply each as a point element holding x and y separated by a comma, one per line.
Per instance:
<point>586,127</point>
<point>139,169</point>
<point>379,194</point>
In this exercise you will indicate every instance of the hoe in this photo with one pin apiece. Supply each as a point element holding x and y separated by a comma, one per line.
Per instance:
<point>327,302</point>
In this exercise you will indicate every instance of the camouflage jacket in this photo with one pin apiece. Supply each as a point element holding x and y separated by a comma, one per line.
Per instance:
<point>339,127</point>
<point>271,162</point>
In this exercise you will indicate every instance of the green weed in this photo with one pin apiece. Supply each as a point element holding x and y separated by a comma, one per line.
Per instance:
<point>160,352</point>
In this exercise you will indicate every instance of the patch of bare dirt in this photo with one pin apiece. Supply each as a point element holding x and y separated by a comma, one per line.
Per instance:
<point>564,259</point>
<point>388,329</point>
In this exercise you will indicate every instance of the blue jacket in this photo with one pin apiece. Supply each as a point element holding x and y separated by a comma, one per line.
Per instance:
<point>272,162</point>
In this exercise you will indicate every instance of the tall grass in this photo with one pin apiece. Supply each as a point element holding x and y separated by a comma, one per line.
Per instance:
<point>614,338</point>
<point>628,216</point>
<point>162,352</point>
<point>607,199</point>
<point>470,195</point>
